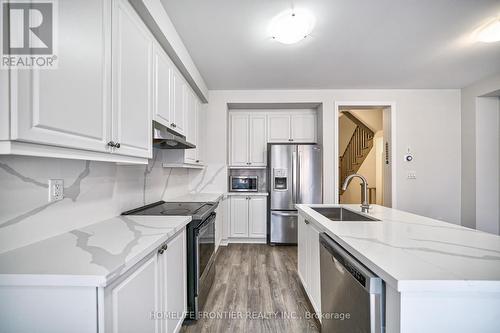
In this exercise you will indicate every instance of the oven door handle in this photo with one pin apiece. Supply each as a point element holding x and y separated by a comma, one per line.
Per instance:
<point>205,224</point>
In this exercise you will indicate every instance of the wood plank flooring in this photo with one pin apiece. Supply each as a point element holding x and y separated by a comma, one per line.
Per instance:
<point>256,289</point>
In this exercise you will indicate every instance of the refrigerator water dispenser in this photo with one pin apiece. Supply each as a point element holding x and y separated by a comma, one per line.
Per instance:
<point>280,180</point>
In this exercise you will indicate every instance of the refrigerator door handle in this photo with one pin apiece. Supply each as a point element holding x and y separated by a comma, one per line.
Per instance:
<point>294,177</point>
<point>298,198</point>
<point>284,214</point>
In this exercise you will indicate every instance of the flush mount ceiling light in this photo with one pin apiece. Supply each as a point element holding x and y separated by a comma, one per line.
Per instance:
<point>490,32</point>
<point>291,26</point>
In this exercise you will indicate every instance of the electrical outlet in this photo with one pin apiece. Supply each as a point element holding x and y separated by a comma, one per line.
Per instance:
<point>412,175</point>
<point>56,189</point>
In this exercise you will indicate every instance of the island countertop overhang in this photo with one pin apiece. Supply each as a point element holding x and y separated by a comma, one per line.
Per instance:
<point>415,253</point>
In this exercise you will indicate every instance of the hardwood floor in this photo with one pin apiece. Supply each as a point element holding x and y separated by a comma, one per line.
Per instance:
<point>256,289</point>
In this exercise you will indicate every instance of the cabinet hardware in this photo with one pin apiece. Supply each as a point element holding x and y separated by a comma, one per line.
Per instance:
<point>306,221</point>
<point>290,140</point>
<point>117,145</point>
<point>197,161</point>
<point>161,250</point>
<point>111,144</point>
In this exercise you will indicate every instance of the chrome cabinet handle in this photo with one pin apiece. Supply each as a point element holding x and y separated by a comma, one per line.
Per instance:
<point>163,249</point>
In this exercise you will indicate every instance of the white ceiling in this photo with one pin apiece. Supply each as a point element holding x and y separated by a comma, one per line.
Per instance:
<point>356,43</point>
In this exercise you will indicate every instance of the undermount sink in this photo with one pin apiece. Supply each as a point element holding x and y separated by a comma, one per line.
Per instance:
<point>342,214</point>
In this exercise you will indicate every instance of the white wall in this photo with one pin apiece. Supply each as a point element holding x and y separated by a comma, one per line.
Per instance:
<point>94,191</point>
<point>487,164</point>
<point>426,120</point>
<point>469,97</point>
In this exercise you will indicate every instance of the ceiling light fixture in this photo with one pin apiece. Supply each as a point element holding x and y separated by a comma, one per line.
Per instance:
<point>490,32</point>
<point>291,26</point>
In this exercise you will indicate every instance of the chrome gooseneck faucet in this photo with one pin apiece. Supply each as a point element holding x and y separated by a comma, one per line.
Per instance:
<point>365,206</point>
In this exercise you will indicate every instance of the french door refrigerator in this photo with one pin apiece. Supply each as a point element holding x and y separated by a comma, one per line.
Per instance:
<point>294,176</point>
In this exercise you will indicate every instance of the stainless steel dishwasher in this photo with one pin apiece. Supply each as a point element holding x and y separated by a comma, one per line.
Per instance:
<point>352,297</point>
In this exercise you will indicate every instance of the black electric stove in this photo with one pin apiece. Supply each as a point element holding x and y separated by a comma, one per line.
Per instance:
<point>200,240</point>
<point>199,211</point>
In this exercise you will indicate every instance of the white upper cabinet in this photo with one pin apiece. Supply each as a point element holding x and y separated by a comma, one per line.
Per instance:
<point>201,132</point>
<point>279,127</point>
<point>178,103</point>
<point>297,127</point>
<point>69,106</point>
<point>162,87</point>
<point>250,132</point>
<point>303,127</point>
<point>191,128</point>
<point>132,82</point>
<point>258,143</point>
<point>239,138</point>
<point>248,139</point>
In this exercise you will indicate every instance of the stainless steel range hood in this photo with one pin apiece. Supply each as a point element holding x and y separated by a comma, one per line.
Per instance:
<point>165,138</point>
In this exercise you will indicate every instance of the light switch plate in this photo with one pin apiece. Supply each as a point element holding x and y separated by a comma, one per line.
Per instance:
<point>412,175</point>
<point>56,189</point>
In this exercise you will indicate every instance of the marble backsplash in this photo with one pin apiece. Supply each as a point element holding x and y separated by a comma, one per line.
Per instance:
<point>94,191</point>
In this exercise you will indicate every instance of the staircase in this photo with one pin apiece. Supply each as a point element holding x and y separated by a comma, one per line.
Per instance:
<point>359,146</point>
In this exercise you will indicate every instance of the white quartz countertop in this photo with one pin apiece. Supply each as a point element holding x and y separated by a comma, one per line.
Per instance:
<point>90,256</point>
<point>415,253</point>
<point>198,197</point>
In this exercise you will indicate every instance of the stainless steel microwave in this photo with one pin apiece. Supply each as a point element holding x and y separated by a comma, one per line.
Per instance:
<point>243,183</point>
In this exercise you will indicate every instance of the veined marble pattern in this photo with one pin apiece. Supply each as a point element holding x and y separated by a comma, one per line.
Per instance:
<point>93,191</point>
<point>411,251</point>
<point>92,255</point>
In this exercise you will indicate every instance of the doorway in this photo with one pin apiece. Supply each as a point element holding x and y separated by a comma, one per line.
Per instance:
<point>364,144</point>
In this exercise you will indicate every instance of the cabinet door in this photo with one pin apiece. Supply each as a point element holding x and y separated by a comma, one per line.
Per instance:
<point>132,82</point>
<point>131,301</point>
<point>258,140</point>
<point>303,126</point>
<point>191,135</point>
<point>174,283</point>
<point>239,216</point>
<point>162,98</point>
<point>69,106</point>
<point>314,279</point>
<point>278,128</point>
<point>239,139</point>
<point>257,216</point>
<point>201,130</point>
<point>302,237</point>
<point>178,102</point>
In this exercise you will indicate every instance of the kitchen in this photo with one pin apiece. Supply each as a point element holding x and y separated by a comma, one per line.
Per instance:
<point>88,155</point>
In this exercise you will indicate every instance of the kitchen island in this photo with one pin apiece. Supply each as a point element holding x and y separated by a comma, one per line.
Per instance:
<point>439,277</point>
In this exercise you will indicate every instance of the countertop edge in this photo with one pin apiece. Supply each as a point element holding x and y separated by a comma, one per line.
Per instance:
<point>408,285</point>
<point>96,281</point>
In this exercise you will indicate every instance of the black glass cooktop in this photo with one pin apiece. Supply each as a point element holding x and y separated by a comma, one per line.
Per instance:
<point>198,210</point>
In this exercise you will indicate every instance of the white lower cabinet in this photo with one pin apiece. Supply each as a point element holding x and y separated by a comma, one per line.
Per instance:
<point>152,296</point>
<point>308,261</point>
<point>248,216</point>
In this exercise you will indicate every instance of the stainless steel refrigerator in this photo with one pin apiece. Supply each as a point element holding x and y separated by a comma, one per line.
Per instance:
<point>294,176</point>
